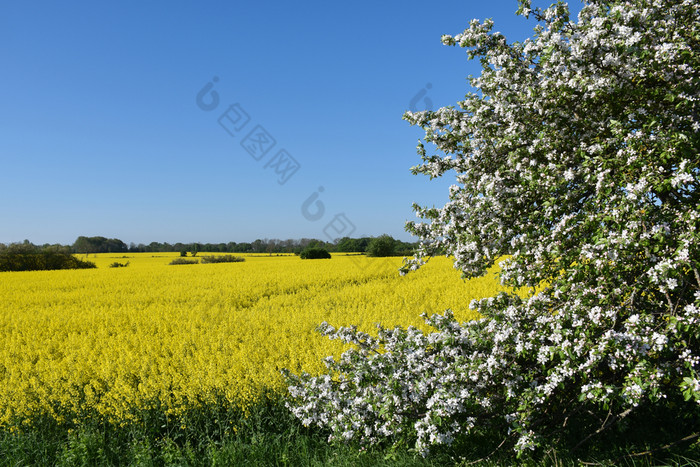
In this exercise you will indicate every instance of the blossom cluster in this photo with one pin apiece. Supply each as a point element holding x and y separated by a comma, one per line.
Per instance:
<point>578,168</point>
<point>502,370</point>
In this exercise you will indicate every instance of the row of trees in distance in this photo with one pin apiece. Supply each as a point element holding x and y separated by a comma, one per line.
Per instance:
<point>28,257</point>
<point>384,245</point>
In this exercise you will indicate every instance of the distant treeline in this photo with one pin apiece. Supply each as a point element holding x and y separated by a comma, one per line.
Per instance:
<point>28,257</point>
<point>89,245</point>
<point>273,246</point>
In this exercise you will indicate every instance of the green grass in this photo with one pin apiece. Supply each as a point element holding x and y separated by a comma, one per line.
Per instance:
<point>269,436</point>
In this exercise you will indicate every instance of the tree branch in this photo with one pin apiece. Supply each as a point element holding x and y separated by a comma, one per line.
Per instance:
<point>605,426</point>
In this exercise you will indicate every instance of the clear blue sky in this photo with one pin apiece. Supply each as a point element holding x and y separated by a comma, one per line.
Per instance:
<point>101,132</point>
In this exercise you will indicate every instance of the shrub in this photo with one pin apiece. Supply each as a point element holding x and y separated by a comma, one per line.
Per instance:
<point>117,264</point>
<point>314,253</point>
<point>184,261</point>
<point>222,259</point>
<point>383,245</point>
<point>28,257</point>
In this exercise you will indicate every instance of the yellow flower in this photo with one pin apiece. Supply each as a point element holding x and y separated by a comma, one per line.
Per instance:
<point>116,340</point>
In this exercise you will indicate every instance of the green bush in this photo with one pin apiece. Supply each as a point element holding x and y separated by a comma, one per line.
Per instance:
<point>222,259</point>
<point>383,245</point>
<point>29,257</point>
<point>117,264</point>
<point>315,253</point>
<point>183,261</point>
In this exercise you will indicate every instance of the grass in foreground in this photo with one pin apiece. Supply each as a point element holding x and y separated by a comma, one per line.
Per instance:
<point>270,435</point>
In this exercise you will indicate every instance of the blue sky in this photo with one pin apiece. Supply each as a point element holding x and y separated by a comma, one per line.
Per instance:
<point>101,131</point>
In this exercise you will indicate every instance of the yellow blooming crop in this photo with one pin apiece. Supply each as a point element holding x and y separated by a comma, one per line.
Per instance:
<point>113,340</point>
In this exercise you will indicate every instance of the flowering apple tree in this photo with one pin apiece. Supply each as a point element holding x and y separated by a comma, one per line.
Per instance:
<point>577,164</point>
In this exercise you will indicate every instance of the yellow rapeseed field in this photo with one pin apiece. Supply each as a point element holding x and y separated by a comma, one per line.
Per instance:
<point>112,341</point>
